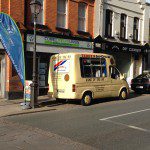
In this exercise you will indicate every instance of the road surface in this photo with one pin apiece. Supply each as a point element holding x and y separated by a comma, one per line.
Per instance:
<point>107,125</point>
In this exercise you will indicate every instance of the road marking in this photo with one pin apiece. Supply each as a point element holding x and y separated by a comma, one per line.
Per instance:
<point>137,128</point>
<point>126,114</point>
<point>129,126</point>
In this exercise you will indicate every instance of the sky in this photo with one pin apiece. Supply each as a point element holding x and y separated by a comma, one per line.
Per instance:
<point>148,1</point>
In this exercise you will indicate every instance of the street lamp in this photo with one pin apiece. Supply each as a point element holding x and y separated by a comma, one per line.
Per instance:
<point>35,10</point>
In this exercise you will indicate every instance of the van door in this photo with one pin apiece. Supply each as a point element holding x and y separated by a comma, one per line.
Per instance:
<point>115,81</point>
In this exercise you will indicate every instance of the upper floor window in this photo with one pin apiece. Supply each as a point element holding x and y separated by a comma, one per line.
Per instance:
<point>62,13</point>
<point>123,26</point>
<point>40,16</point>
<point>82,17</point>
<point>136,29</point>
<point>108,23</point>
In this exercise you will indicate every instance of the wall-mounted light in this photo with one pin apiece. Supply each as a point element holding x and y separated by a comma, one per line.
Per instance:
<point>117,34</point>
<point>131,36</point>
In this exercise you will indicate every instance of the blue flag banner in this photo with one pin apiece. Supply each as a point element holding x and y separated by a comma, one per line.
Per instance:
<point>12,42</point>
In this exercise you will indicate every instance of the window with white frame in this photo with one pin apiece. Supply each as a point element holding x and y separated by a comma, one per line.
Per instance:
<point>82,17</point>
<point>62,13</point>
<point>108,23</point>
<point>40,16</point>
<point>123,26</point>
<point>136,29</point>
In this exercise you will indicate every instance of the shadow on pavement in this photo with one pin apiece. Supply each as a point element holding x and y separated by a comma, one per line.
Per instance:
<point>50,103</point>
<point>133,95</point>
<point>104,100</point>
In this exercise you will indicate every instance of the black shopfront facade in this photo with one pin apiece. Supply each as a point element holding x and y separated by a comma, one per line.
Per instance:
<point>130,58</point>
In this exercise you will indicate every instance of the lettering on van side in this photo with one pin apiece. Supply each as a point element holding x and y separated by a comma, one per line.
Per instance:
<point>94,79</point>
<point>94,56</point>
<point>99,89</point>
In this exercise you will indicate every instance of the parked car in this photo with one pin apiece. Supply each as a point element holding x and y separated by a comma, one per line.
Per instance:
<point>141,83</point>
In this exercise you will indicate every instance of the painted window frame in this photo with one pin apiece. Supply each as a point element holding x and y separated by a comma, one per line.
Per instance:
<point>136,22</point>
<point>123,26</point>
<point>82,18</point>
<point>108,23</point>
<point>65,14</point>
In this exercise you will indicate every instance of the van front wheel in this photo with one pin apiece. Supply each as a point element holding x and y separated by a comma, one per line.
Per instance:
<point>86,100</point>
<point>123,94</point>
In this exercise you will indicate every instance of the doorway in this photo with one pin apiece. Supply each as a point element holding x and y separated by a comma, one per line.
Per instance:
<point>2,75</point>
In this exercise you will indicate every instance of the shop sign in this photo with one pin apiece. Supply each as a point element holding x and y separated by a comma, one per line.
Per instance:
<point>27,90</point>
<point>60,42</point>
<point>136,49</point>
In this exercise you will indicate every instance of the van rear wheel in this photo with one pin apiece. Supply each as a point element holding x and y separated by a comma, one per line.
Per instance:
<point>123,94</point>
<point>86,99</point>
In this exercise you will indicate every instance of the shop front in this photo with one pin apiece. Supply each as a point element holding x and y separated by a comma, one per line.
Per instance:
<point>129,57</point>
<point>46,46</point>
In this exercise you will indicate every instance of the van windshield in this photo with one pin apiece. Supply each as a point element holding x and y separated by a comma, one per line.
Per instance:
<point>93,67</point>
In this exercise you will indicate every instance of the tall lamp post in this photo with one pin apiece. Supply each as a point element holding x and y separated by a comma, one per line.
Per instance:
<point>35,6</point>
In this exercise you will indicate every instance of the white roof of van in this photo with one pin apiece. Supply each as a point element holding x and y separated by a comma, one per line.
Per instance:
<point>80,53</point>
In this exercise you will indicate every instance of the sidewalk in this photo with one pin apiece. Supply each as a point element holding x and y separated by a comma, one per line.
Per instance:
<point>13,107</point>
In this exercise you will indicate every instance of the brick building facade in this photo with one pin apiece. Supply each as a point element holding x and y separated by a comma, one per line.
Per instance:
<point>11,86</point>
<point>62,26</point>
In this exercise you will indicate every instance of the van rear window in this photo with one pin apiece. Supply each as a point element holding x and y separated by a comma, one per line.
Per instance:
<point>93,67</point>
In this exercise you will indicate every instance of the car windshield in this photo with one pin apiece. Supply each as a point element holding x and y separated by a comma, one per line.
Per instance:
<point>144,75</point>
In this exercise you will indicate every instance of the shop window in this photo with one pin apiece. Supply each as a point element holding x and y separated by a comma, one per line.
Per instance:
<point>135,29</point>
<point>62,14</point>
<point>93,67</point>
<point>82,17</point>
<point>40,16</point>
<point>108,23</point>
<point>123,26</point>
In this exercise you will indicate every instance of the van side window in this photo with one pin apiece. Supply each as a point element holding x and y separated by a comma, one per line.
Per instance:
<point>114,73</point>
<point>93,67</point>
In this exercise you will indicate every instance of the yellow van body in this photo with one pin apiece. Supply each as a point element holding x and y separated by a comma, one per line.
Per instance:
<point>73,75</point>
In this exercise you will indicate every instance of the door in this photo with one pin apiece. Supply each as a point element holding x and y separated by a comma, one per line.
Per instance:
<point>115,81</point>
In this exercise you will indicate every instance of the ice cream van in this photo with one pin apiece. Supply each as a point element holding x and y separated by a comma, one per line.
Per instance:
<point>85,77</point>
